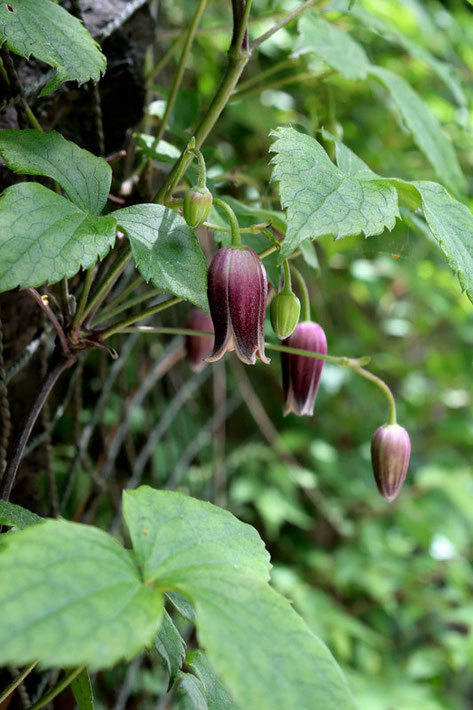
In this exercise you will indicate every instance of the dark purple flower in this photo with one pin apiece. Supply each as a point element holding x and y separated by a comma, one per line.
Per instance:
<point>390,452</point>
<point>198,347</point>
<point>238,291</point>
<point>300,373</point>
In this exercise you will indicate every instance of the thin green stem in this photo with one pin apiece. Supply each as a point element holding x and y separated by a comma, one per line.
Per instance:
<point>124,306</point>
<point>18,681</point>
<point>167,56</point>
<point>303,77</point>
<point>89,278</point>
<point>166,331</point>
<point>236,64</point>
<point>281,24</point>
<point>202,173</point>
<point>107,284</point>
<point>32,120</point>
<point>64,291</point>
<point>304,293</point>
<point>266,252</point>
<point>118,327</point>
<point>258,78</point>
<point>342,361</point>
<point>287,277</point>
<point>254,229</point>
<point>234,226</point>
<point>201,5</point>
<point>121,296</point>
<point>58,688</point>
<point>383,387</point>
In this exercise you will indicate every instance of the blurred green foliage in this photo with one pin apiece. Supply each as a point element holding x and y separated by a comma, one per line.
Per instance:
<point>388,587</point>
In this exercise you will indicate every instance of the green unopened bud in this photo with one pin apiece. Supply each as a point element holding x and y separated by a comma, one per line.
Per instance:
<point>285,310</point>
<point>197,204</point>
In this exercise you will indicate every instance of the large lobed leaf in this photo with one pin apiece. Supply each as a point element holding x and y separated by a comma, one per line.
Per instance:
<point>16,516</point>
<point>44,237</point>
<point>166,251</point>
<point>84,178</point>
<point>71,595</point>
<point>322,199</point>
<point>48,32</point>
<point>450,221</point>
<point>258,645</point>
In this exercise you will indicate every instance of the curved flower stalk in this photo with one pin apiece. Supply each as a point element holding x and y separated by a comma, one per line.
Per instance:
<point>390,453</point>
<point>238,291</point>
<point>301,374</point>
<point>198,347</point>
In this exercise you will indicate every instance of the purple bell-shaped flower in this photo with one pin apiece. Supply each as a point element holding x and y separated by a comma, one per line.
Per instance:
<point>198,347</point>
<point>300,373</point>
<point>238,291</point>
<point>390,453</point>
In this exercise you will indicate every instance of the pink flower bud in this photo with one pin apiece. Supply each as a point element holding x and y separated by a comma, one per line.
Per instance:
<point>198,347</point>
<point>238,291</point>
<point>390,452</point>
<point>300,373</point>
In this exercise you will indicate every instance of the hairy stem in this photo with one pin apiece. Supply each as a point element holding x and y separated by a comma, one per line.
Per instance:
<point>43,304</point>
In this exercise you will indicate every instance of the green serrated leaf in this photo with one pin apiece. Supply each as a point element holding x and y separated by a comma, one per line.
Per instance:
<point>337,48</point>
<point>84,178</point>
<point>166,251</point>
<point>203,689</point>
<point>321,199</point>
<point>44,237</point>
<point>74,596</point>
<point>182,605</point>
<point>451,224</point>
<point>171,646</point>
<point>425,128</point>
<point>15,515</point>
<point>450,221</point>
<point>82,689</point>
<point>49,33</point>
<point>260,648</point>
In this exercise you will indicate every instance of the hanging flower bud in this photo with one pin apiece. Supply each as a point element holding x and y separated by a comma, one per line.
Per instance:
<point>197,204</point>
<point>238,291</point>
<point>198,347</point>
<point>301,373</point>
<point>285,310</point>
<point>390,452</point>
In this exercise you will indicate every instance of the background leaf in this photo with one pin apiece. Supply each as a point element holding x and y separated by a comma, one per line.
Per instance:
<point>48,32</point>
<point>44,237</point>
<point>321,199</point>
<point>82,689</point>
<point>425,128</point>
<point>258,645</point>
<point>74,596</point>
<point>15,515</point>
<point>166,251</point>
<point>202,690</point>
<point>337,48</point>
<point>171,646</point>
<point>84,178</point>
